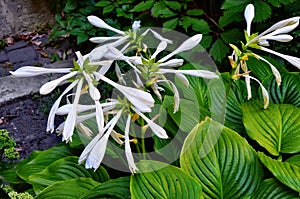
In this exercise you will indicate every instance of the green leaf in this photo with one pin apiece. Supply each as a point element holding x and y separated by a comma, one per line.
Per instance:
<point>223,161</point>
<point>264,12</point>
<point>157,8</point>
<point>159,180</point>
<point>174,5</point>
<point>71,5</point>
<point>288,92</point>
<point>65,169</point>
<point>276,129</point>
<point>230,16</point>
<point>114,189</point>
<point>171,24</point>
<point>232,35</point>
<point>200,25</point>
<point>69,189</point>
<point>294,160</point>
<point>185,22</point>
<point>285,172</point>
<point>108,9</point>
<point>219,50</point>
<point>39,160</point>
<point>236,4</point>
<point>82,38</point>
<point>273,189</point>
<point>195,12</point>
<point>142,6</point>
<point>103,3</point>
<point>188,115</point>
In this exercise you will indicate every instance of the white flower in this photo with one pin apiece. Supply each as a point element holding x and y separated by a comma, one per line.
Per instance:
<point>140,99</point>
<point>96,21</point>
<point>128,152</point>
<point>30,71</point>
<point>157,130</point>
<point>71,118</point>
<point>94,152</point>
<point>136,25</point>
<point>249,16</point>
<point>275,32</point>
<point>186,45</point>
<point>264,91</point>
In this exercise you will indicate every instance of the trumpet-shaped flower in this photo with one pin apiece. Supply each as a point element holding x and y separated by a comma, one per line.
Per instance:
<point>275,32</point>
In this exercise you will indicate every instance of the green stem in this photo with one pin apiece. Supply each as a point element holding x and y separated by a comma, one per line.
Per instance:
<point>143,140</point>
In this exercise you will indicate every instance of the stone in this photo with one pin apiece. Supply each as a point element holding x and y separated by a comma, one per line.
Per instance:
<point>22,55</point>
<point>3,57</point>
<point>18,44</point>
<point>13,87</point>
<point>17,16</point>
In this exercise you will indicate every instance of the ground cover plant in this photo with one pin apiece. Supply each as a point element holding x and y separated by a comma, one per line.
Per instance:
<point>173,126</point>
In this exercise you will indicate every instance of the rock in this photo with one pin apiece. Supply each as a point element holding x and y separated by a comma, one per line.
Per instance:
<point>22,55</point>
<point>18,44</point>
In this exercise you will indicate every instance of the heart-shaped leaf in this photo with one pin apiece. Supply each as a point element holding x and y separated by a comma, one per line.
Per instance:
<point>114,189</point>
<point>277,128</point>
<point>223,161</point>
<point>285,172</point>
<point>39,160</point>
<point>69,189</point>
<point>159,180</point>
<point>288,92</point>
<point>65,169</point>
<point>273,189</point>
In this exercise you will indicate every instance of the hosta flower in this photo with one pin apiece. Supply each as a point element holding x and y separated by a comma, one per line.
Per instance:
<point>83,74</point>
<point>275,32</point>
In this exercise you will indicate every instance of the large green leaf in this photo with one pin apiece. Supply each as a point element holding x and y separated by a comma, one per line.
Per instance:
<point>69,189</point>
<point>65,169</point>
<point>277,128</point>
<point>39,160</point>
<point>223,161</point>
<point>294,160</point>
<point>273,189</point>
<point>159,180</point>
<point>285,172</point>
<point>288,92</point>
<point>114,189</point>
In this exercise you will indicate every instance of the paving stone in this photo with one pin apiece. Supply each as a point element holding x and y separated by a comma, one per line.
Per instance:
<point>3,57</point>
<point>18,44</point>
<point>21,55</point>
<point>13,87</point>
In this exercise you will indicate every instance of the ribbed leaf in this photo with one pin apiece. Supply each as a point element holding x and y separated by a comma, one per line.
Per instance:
<point>114,189</point>
<point>159,180</point>
<point>294,160</point>
<point>65,169</point>
<point>277,128</point>
<point>273,189</point>
<point>285,172</point>
<point>288,92</point>
<point>69,189</point>
<point>222,160</point>
<point>39,160</point>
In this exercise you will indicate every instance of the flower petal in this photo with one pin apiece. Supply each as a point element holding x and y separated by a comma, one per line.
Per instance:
<point>93,91</point>
<point>136,25</point>
<point>161,46</point>
<point>249,16</point>
<point>172,63</point>
<point>50,86</point>
<point>293,60</point>
<point>96,21</point>
<point>157,130</point>
<point>186,45</point>
<point>30,71</point>
<point>71,118</point>
<point>280,38</point>
<point>128,152</point>
<point>103,39</point>
<point>198,73</point>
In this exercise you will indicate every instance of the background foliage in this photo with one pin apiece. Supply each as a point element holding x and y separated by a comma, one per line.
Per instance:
<point>257,153</point>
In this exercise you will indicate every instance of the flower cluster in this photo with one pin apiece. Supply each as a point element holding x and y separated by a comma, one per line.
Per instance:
<point>277,32</point>
<point>134,101</point>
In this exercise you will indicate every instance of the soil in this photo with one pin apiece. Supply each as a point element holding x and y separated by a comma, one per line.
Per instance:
<point>26,122</point>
